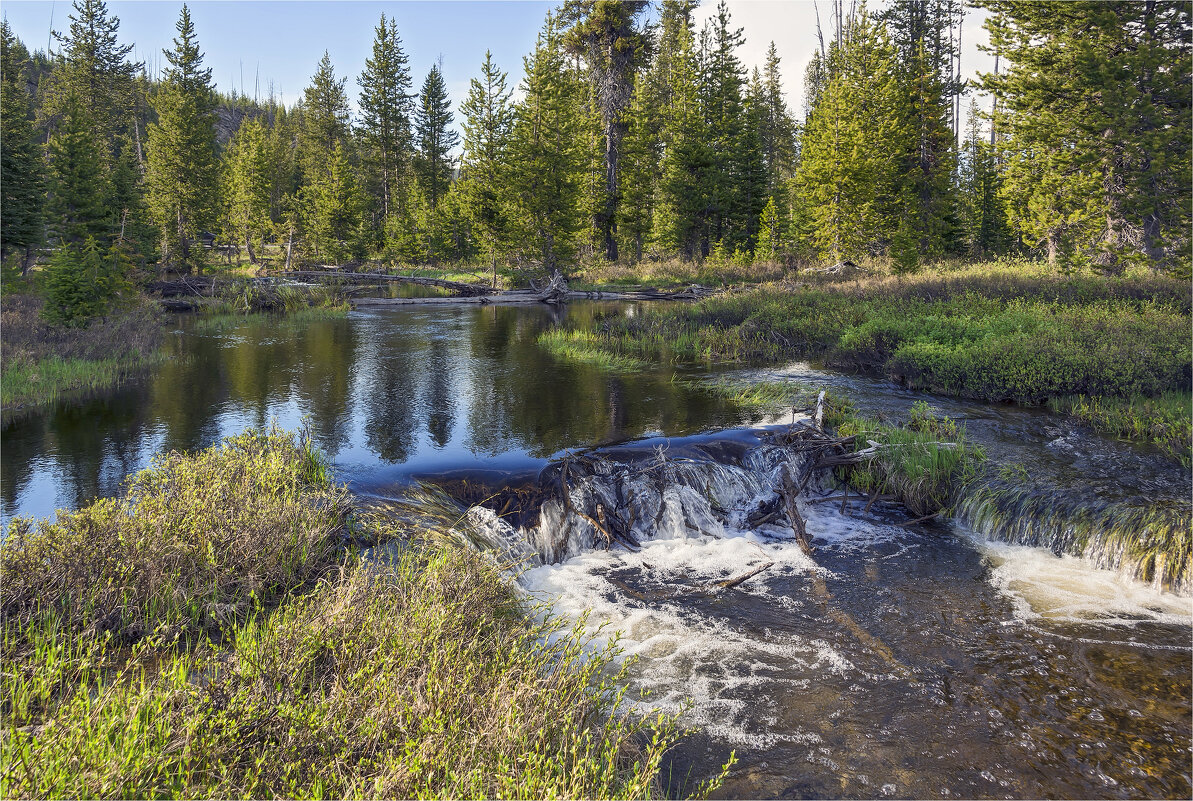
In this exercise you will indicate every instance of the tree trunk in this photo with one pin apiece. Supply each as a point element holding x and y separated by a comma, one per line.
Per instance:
<point>248,244</point>
<point>613,132</point>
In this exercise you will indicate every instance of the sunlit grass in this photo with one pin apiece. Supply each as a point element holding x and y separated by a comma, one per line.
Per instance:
<point>923,462</point>
<point>586,348</point>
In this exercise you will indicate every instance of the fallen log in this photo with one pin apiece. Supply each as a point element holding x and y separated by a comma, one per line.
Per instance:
<point>464,290</point>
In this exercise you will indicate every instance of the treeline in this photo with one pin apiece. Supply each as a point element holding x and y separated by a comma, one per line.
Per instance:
<point>627,140</point>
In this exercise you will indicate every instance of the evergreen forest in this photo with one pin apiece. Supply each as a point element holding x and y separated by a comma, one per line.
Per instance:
<point>627,136</point>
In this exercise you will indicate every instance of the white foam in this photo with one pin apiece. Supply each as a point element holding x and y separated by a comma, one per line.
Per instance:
<point>723,679</point>
<point>1071,589</point>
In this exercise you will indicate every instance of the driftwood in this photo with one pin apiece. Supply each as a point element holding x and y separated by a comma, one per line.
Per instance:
<point>818,417</point>
<point>790,495</point>
<point>554,291</point>
<point>729,584</point>
<point>923,519</point>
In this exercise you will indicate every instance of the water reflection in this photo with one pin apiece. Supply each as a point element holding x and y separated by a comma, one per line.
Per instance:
<point>389,393</point>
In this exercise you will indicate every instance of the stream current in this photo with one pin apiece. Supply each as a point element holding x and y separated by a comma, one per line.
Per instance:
<point>904,661</point>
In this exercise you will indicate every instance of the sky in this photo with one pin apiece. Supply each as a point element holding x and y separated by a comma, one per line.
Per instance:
<point>255,44</point>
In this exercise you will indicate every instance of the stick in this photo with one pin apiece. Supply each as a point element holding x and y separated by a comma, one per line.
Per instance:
<point>729,584</point>
<point>918,520</point>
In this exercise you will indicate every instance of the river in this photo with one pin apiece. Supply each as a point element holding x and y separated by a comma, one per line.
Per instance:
<point>949,658</point>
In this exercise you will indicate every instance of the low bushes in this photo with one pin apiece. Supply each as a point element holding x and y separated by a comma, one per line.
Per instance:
<point>211,634</point>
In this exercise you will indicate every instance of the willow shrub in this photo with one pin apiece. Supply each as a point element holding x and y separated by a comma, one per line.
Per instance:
<point>211,634</point>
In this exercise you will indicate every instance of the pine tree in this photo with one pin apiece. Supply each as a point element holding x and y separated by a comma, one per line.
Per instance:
<point>22,190</point>
<point>386,106</point>
<point>434,138</point>
<point>851,145</point>
<point>488,123</point>
<point>733,201</point>
<point>545,159</point>
<point>778,131</point>
<point>683,209</point>
<point>770,233</point>
<point>130,221</point>
<point>920,33</point>
<point>95,70</point>
<point>1089,106</point>
<point>606,34</point>
<point>750,177</point>
<point>982,211</point>
<point>640,153</point>
<point>325,119</point>
<point>78,189</point>
<point>331,205</point>
<point>184,173</point>
<point>249,175</point>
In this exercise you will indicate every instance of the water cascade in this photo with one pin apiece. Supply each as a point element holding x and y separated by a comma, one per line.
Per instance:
<point>1146,540</point>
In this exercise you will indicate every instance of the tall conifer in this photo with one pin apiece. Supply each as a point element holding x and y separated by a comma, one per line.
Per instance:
<point>184,173</point>
<point>488,121</point>
<point>22,189</point>
<point>545,157</point>
<point>435,138</point>
<point>386,106</point>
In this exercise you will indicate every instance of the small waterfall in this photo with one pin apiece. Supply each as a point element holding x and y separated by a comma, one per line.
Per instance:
<point>637,496</point>
<point>1149,542</point>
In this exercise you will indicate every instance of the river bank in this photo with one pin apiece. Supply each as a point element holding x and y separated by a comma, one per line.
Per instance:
<point>1013,333</point>
<point>217,632</point>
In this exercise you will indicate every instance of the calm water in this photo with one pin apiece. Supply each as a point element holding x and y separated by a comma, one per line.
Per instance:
<point>1019,674</point>
<point>390,394</point>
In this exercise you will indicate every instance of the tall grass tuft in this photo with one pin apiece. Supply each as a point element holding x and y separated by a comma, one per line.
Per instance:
<point>923,463</point>
<point>1166,421</point>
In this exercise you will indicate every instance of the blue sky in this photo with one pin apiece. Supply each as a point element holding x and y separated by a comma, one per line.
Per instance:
<point>283,41</point>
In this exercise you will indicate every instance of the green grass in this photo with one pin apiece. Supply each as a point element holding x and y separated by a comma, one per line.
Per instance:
<point>585,348</point>
<point>759,395</point>
<point>923,462</point>
<point>1165,421</point>
<point>213,634</point>
<point>52,379</point>
<point>43,362</point>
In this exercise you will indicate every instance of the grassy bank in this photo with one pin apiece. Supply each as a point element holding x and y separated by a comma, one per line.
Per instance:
<point>993,332</point>
<point>43,363</point>
<point>214,634</point>
<point>1163,420</point>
